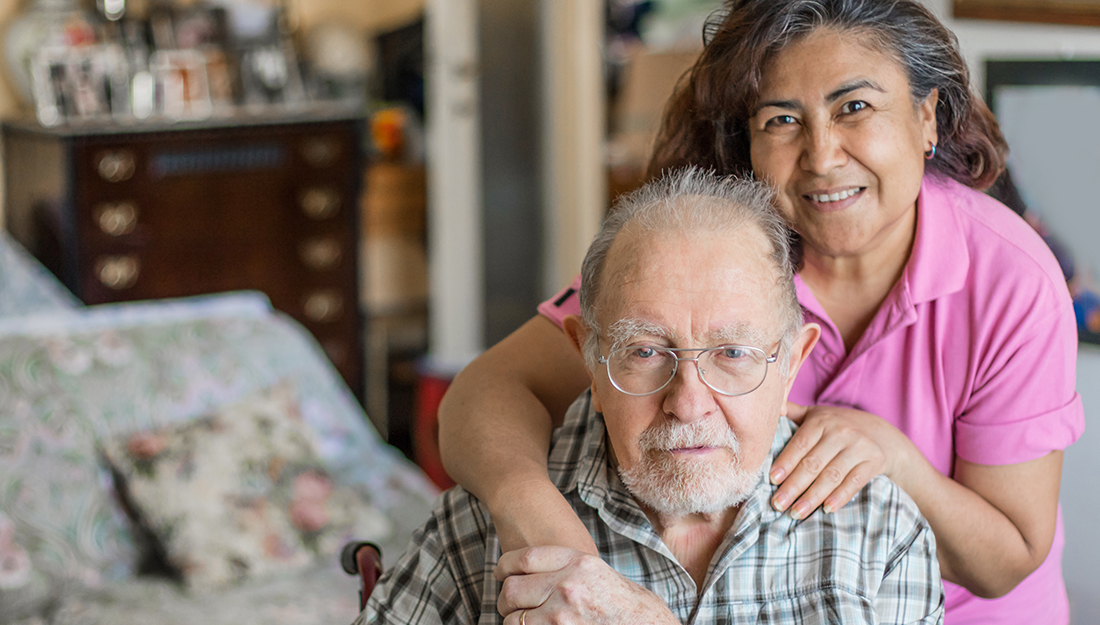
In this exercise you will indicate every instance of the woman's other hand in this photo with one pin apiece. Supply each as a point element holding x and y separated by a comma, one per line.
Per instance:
<point>832,455</point>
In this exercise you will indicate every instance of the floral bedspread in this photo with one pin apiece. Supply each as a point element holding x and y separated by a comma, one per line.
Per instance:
<point>75,376</point>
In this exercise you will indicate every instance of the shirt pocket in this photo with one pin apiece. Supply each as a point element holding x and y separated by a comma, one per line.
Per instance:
<point>820,604</point>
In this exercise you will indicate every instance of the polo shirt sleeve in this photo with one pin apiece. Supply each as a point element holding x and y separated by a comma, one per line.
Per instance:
<point>566,302</point>
<point>1024,403</point>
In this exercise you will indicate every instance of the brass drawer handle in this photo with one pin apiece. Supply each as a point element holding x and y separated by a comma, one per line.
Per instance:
<point>116,219</point>
<point>319,203</point>
<point>321,253</point>
<point>117,166</point>
<point>323,306</point>
<point>321,152</point>
<point>118,272</point>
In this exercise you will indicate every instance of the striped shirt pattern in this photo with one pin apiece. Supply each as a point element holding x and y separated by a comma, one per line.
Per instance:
<point>873,561</point>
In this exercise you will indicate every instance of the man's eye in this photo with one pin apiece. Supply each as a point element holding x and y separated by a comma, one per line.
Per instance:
<point>644,352</point>
<point>854,106</point>
<point>733,353</point>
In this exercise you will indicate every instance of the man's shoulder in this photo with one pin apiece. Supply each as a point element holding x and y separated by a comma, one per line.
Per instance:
<point>457,533</point>
<point>884,516</point>
<point>441,577</point>
<point>880,511</point>
<point>458,513</point>
<point>577,446</point>
<point>884,494</point>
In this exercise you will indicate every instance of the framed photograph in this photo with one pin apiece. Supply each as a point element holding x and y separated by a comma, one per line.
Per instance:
<point>270,76</point>
<point>182,88</point>
<point>48,70</point>
<point>74,84</point>
<point>1079,12</point>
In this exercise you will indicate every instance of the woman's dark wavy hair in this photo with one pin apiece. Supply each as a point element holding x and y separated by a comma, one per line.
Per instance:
<point>706,120</point>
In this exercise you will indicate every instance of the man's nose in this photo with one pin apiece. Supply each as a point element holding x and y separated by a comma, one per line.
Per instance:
<point>687,397</point>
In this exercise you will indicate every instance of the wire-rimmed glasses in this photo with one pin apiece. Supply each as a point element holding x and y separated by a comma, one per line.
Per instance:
<point>731,370</point>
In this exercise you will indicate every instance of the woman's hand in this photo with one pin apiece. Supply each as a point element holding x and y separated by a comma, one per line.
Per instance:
<point>558,585</point>
<point>832,455</point>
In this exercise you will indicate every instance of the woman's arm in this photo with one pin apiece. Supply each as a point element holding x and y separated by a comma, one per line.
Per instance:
<point>994,525</point>
<point>494,434</point>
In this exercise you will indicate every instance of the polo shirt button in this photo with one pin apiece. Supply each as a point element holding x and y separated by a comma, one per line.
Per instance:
<point>830,359</point>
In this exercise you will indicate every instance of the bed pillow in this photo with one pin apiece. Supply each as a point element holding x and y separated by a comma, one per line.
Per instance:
<point>27,585</point>
<point>236,494</point>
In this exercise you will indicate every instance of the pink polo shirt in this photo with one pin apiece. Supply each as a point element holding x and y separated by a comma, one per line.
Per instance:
<point>973,354</point>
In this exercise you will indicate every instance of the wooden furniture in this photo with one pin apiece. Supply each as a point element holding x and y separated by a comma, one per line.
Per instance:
<point>168,211</point>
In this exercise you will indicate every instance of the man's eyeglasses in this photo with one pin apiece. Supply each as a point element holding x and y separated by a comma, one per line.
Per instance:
<point>728,369</point>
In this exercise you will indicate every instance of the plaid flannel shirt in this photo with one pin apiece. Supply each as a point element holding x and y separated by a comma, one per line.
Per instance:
<point>873,561</point>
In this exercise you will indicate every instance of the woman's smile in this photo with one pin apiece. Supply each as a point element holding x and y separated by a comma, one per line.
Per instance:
<point>833,200</point>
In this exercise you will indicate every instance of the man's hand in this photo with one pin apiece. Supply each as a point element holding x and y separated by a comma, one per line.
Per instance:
<point>560,585</point>
<point>832,455</point>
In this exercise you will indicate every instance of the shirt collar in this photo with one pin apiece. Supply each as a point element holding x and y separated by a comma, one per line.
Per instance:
<point>940,261</point>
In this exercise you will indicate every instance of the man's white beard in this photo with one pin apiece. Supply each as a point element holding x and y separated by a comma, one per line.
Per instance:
<point>677,487</point>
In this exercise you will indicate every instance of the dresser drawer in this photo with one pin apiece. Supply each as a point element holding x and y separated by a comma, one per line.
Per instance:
<point>173,213</point>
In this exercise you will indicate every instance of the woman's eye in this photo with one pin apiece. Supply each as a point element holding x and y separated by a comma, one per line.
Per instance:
<point>854,106</point>
<point>779,121</point>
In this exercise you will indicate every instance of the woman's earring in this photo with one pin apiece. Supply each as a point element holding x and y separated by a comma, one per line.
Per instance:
<point>930,154</point>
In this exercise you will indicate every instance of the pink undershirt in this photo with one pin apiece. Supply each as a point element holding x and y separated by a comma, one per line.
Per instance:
<point>973,354</point>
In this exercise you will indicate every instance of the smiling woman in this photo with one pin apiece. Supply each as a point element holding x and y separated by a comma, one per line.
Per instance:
<point>948,348</point>
<point>847,160</point>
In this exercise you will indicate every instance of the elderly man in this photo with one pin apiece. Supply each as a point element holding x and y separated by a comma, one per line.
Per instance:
<point>692,334</point>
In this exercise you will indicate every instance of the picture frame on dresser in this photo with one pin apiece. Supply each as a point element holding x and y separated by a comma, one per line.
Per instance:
<point>73,84</point>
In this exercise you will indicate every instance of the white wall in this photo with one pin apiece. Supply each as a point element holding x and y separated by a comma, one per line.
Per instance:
<point>573,136</point>
<point>982,39</point>
<point>1080,501</point>
<point>454,186</point>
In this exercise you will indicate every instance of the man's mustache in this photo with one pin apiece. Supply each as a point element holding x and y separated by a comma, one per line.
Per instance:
<point>675,435</point>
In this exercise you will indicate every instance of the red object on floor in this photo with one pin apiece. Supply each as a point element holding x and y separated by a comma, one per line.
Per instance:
<point>429,392</point>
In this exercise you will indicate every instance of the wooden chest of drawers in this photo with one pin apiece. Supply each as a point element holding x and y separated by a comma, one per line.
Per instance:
<point>171,212</point>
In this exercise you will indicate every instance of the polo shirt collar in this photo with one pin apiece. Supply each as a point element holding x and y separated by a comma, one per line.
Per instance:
<point>940,261</point>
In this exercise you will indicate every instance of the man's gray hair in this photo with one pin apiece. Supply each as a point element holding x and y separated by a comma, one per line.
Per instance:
<point>694,200</point>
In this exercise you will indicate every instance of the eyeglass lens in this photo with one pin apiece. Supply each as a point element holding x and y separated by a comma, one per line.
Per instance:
<point>730,369</point>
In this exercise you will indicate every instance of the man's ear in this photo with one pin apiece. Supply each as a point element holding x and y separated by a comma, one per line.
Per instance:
<point>577,331</point>
<point>801,348</point>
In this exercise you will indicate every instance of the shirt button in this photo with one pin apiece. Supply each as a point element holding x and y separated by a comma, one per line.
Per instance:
<point>830,359</point>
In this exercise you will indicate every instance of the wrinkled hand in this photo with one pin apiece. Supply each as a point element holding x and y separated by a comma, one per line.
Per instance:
<point>560,585</point>
<point>832,455</point>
